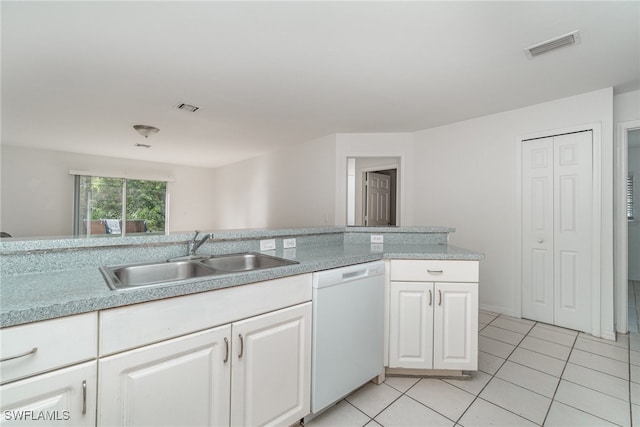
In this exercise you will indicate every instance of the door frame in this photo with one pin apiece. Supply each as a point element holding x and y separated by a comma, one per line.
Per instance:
<point>342,183</point>
<point>621,228</point>
<point>365,195</point>
<point>596,210</point>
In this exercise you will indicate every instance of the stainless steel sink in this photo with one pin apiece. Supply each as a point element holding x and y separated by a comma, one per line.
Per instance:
<point>245,262</point>
<point>140,275</point>
<point>134,276</point>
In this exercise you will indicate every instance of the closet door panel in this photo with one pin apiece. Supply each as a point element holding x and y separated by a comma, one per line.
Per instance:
<point>537,230</point>
<point>573,174</point>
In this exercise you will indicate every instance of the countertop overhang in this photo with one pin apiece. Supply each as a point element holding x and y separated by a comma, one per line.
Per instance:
<point>31,297</point>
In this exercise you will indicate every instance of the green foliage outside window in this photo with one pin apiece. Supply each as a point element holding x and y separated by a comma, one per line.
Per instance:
<point>146,201</point>
<point>102,198</point>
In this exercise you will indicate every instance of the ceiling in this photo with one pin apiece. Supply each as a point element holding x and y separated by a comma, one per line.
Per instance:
<point>76,76</point>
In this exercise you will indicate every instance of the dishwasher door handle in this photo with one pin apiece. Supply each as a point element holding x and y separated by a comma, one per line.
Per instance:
<point>354,274</point>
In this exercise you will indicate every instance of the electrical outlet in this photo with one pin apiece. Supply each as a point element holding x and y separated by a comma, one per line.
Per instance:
<point>377,238</point>
<point>377,247</point>
<point>288,243</point>
<point>268,244</point>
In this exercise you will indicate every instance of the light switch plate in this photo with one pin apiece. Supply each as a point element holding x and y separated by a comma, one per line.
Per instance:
<point>267,245</point>
<point>288,243</point>
<point>377,238</point>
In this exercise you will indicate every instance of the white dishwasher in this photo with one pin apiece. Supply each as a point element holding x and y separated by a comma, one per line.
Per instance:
<point>348,331</point>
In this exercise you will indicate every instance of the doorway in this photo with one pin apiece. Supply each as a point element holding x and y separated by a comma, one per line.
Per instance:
<point>373,186</point>
<point>632,213</point>
<point>624,254</point>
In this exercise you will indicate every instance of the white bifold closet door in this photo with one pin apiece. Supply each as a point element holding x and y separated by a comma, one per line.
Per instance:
<point>557,174</point>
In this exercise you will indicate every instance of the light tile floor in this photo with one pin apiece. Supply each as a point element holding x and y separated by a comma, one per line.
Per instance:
<point>529,374</point>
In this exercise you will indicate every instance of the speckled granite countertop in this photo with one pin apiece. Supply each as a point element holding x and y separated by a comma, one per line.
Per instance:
<point>32,297</point>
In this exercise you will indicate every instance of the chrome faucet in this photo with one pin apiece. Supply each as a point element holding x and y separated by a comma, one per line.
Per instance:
<point>194,243</point>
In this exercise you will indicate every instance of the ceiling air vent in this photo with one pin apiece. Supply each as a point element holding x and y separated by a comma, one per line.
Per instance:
<point>186,107</point>
<point>540,48</point>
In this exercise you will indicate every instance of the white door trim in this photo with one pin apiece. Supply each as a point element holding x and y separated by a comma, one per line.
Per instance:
<point>341,183</point>
<point>596,212</point>
<point>621,229</point>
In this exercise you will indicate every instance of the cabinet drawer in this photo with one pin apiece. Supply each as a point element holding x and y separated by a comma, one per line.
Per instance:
<point>133,326</point>
<point>434,270</point>
<point>43,346</point>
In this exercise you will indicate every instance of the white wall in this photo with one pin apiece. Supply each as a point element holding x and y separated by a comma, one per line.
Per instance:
<point>626,106</point>
<point>466,180</point>
<point>37,190</point>
<point>293,187</point>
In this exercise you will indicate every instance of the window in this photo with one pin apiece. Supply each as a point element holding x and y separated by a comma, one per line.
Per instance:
<point>630,198</point>
<point>102,202</point>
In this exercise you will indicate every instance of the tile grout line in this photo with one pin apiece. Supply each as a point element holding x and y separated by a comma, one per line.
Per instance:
<point>477,396</point>
<point>492,376</point>
<point>440,379</point>
<point>359,410</point>
<point>560,379</point>
<point>553,398</point>
<point>386,407</point>
<point>426,406</point>
<point>404,393</point>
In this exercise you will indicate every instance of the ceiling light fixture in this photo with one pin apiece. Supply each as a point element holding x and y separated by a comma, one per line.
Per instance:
<point>564,40</point>
<point>145,130</point>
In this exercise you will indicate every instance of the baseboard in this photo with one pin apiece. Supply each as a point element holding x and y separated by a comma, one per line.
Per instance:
<point>437,373</point>
<point>498,310</point>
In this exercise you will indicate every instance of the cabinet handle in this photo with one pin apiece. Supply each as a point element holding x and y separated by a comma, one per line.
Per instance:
<point>241,346</point>
<point>226,350</point>
<point>18,356</point>
<point>439,297</point>
<point>435,271</point>
<point>430,298</point>
<point>84,397</point>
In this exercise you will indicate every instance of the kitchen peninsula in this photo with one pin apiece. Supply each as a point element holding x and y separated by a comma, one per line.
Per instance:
<point>45,279</point>
<point>211,350</point>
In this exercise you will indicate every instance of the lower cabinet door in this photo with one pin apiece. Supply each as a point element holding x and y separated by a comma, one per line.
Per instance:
<point>272,368</point>
<point>411,325</point>
<point>455,341</point>
<point>65,397</point>
<point>180,382</point>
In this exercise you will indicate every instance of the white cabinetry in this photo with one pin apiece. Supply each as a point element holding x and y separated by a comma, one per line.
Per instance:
<point>65,397</point>
<point>433,315</point>
<point>253,369</point>
<point>179,382</point>
<point>271,368</point>
<point>44,378</point>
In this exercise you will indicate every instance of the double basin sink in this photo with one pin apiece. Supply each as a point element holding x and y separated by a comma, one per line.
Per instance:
<point>149,274</point>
